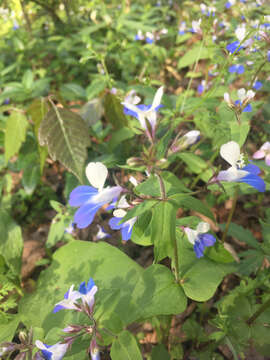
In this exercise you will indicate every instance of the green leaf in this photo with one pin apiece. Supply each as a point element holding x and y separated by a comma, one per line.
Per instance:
<point>92,111</point>
<point>114,111</point>
<point>66,135</point>
<point>139,210</point>
<point>7,331</point>
<point>30,179</point>
<point>239,132</point>
<point>141,232</point>
<point>16,127</point>
<point>76,262</point>
<point>37,110</point>
<point>242,234</point>
<point>72,91</point>
<point>196,165</point>
<point>163,229</point>
<point>11,242</point>
<point>28,79</point>
<point>95,88</point>
<point>196,53</point>
<point>157,293</point>
<point>219,254</point>
<point>192,203</point>
<point>125,347</point>
<point>119,136</point>
<point>199,277</point>
<point>151,186</point>
<point>159,352</point>
<point>57,229</point>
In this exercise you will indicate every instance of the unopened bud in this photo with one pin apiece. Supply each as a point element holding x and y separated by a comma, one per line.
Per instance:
<point>94,350</point>
<point>73,328</point>
<point>22,336</point>
<point>135,161</point>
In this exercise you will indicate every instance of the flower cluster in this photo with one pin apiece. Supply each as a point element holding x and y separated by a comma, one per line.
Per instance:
<point>81,300</point>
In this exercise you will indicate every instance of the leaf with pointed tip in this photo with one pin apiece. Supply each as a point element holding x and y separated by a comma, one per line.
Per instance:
<point>15,133</point>
<point>66,135</point>
<point>114,111</point>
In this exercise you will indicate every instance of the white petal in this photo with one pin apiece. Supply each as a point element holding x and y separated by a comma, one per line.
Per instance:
<point>119,213</point>
<point>191,235</point>
<point>241,94</point>
<point>250,94</point>
<point>232,174</point>
<point>157,98</point>
<point>96,174</point>
<point>40,345</point>
<point>203,227</point>
<point>227,98</point>
<point>122,203</point>
<point>133,181</point>
<point>131,107</point>
<point>230,152</point>
<point>265,146</point>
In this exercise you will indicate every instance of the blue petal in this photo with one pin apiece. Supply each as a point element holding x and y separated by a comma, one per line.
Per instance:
<point>198,248</point>
<point>207,239</point>
<point>82,288</point>
<point>58,308</point>
<point>257,85</point>
<point>90,284</point>
<point>238,102</point>
<point>85,214</point>
<point>228,5</point>
<point>126,232</point>
<point>240,69</point>
<point>114,223</point>
<point>233,68</point>
<point>130,112</point>
<point>81,194</point>
<point>253,169</point>
<point>47,354</point>
<point>254,181</point>
<point>248,108</point>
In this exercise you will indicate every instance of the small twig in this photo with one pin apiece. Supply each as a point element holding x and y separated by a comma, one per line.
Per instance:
<point>258,312</point>
<point>230,214</point>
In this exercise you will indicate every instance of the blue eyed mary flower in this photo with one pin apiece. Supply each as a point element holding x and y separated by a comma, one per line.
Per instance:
<point>126,227</point>
<point>229,3</point>
<point>91,198</point>
<point>101,234</point>
<point>257,85</point>
<point>69,302</point>
<point>86,293</point>
<point>238,69</point>
<point>263,152</point>
<point>139,35</point>
<point>150,38</point>
<point>196,26</point>
<point>199,238</point>
<point>94,350</point>
<point>53,352</point>
<point>238,171</point>
<point>234,47</point>
<point>146,114</point>
<point>182,28</point>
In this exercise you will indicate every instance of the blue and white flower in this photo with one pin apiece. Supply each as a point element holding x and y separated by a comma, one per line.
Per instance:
<point>94,350</point>
<point>150,38</point>
<point>53,352</point>
<point>196,26</point>
<point>86,293</point>
<point>239,172</point>
<point>182,28</point>
<point>139,35</point>
<point>244,98</point>
<point>144,113</point>
<point>257,85</point>
<point>229,3</point>
<point>126,227</point>
<point>91,198</point>
<point>199,239</point>
<point>101,234</point>
<point>237,68</point>
<point>69,302</point>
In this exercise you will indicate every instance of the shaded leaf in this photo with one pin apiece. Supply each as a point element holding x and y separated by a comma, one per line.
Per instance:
<point>66,135</point>
<point>114,111</point>
<point>125,347</point>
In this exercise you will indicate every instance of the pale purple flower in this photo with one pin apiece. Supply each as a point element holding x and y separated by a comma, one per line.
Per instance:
<point>263,152</point>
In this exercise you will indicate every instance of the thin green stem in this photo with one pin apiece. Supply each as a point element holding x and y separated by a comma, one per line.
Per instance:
<point>230,345</point>
<point>191,79</point>
<point>230,214</point>
<point>162,186</point>
<point>176,260</point>
<point>258,312</point>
